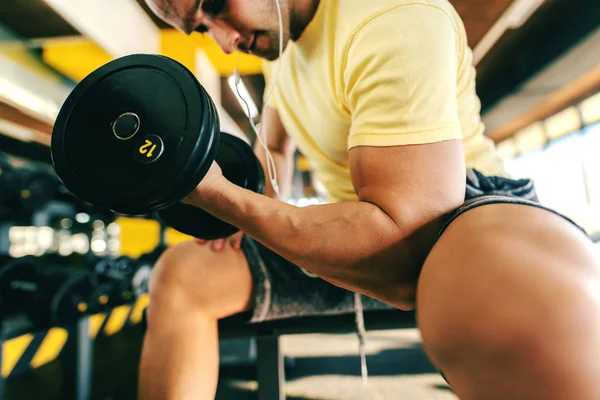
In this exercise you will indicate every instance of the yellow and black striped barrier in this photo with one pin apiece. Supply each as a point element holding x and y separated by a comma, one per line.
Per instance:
<point>33,350</point>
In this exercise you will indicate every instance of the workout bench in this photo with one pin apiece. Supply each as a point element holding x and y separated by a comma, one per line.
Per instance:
<point>270,360</point>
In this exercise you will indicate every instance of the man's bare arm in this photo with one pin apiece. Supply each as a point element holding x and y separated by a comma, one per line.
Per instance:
<point>282,150</point>
<point>373,246</point>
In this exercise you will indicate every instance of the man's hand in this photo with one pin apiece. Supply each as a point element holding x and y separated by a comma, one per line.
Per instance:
<point>196,198</point>
<point>235,241</point>
<point>213,177</point>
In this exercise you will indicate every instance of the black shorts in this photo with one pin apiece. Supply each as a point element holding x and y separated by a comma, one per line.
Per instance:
<point>284,290</point>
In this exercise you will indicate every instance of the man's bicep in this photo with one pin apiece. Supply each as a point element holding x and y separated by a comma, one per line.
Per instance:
<point>406,154</point>
<point>412,184</point>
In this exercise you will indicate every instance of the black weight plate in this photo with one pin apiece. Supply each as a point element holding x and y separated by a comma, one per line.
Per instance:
<point>37,186</point>
<point>195,222</point>
<point>101,296</point>
<point>19,282</point>
<point>239,163</point>
<point>240,166</point>
<point>100,168</point>
<point>202,155</point>
<point>71,301</point>
<point>197,166</point>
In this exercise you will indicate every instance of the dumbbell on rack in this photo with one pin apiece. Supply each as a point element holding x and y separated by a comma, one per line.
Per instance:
<point>138,134</point>
<point>103,294</point>
<point>117,274</point>
<point>141,277</point>
<point>30,187</point>
<point>130,276</point>
<point>36,187</point>
<point>25,188</point>
<point>49,297</point>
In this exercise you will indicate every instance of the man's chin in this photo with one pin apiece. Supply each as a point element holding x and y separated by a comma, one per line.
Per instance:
<point>266,55</point>
<point>271,56</point>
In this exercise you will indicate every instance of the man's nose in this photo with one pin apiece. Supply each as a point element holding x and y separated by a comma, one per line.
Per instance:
<point>226,36</point>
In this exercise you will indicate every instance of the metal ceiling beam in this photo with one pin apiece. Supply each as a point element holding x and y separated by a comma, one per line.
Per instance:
<point>514,17</point>
<point>557,27</point>
<point>27,84</point>
<point>119,27</point>
<point>33,18</point>
<point>16,116</point>
<point>23,133</point>
<point>585,85</point>
<point>572,76</point>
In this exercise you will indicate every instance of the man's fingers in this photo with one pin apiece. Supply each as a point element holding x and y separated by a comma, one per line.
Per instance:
<point>217,245</point>
<point>236,242</point>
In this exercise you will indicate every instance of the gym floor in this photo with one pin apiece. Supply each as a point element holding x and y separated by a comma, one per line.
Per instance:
<point>326,367</point>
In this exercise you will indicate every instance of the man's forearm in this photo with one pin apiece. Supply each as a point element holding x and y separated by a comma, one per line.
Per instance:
<point>353,245</point>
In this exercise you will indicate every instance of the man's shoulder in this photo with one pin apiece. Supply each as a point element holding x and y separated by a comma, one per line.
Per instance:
<point>352,15</point>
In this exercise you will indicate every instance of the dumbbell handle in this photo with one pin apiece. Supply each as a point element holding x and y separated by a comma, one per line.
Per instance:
<point>239,165</point>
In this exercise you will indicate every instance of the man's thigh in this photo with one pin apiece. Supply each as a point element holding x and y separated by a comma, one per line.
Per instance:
<point>283,290</point>
<point>507,305</point>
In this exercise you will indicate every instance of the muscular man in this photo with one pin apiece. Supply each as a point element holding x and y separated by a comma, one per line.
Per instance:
<point>380,97</point>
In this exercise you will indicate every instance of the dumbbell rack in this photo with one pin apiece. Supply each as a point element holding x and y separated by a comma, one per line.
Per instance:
<point>23,350</point>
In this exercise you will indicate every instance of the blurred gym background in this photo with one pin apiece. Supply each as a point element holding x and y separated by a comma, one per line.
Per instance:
<point>73,278</point>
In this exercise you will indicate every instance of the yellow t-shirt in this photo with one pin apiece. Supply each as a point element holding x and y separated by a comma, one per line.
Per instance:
<point>379,73</point>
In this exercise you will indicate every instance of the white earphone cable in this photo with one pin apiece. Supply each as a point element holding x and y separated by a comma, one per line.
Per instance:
<point>262,139</point>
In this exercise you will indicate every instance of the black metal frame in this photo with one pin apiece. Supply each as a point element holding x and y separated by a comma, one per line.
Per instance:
<point>77,360</point>
<point>270,368</point>
<point>270,361</point>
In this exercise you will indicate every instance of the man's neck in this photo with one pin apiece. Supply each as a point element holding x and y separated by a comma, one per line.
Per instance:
<point>301,13</point>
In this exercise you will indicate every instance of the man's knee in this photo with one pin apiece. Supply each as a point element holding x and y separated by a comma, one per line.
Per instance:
<point>192,277</point>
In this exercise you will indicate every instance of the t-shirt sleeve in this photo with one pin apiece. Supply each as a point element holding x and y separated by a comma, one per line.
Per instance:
<point>400,78</point>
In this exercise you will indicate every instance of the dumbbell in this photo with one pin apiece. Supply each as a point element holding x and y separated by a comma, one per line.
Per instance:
<point>36,186</point>
<point>138,134</point>
<point>26,188</point>
<point>132,276</point>
<point>118,273</point>
<point>100,294</point>
<point>55,297</point>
